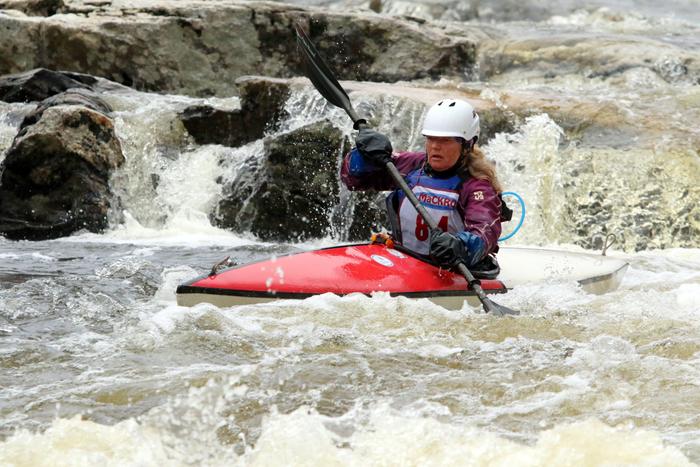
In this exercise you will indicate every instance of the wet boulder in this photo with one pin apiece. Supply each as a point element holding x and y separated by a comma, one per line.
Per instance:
<point>55,175</point>
<point>289,193</point>
<point>359,214</point>
<point>292,192</point>
<point>262,109</point>
<point>41,83</point>
<point>33,7</point>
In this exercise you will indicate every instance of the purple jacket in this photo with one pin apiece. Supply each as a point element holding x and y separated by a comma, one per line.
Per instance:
<point>479,205</point>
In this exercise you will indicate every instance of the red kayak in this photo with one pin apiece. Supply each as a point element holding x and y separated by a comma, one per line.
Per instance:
<point>340,270</point>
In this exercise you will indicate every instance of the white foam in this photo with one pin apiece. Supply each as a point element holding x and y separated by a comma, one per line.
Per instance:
<point>438,351</point>
<point>76,442</point>
<point>605,19</point>
<point>603,352</point>
<point>536,147</point>
<point>302,438</point>
<point>33,256</point>
<point>170,279</point>
<point>167,185</point>
<point>11,115</point>
<point>187,228</point>
<point>688,297</point>
<point>166,320</point>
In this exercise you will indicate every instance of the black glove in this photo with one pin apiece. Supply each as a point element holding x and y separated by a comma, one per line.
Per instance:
<point>446,249</point>
<point>374,147</point>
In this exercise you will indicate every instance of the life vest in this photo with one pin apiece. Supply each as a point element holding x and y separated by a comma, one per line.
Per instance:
<point>439,196</point>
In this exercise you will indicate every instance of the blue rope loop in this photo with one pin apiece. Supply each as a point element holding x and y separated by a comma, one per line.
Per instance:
<point>522,214</point>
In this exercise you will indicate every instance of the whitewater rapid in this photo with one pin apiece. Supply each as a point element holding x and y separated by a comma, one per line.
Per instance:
<point>100,366</point>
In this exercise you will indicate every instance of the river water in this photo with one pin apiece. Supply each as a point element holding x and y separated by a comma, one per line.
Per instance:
<point>99,364</point>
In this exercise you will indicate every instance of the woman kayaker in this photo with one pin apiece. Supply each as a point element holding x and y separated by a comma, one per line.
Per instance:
<point>452,179</point>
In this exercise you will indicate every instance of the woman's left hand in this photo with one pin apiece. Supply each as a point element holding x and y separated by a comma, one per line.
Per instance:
<point>446,249</point>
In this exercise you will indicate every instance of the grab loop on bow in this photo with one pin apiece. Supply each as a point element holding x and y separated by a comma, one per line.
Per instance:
<point>610,240</point>
<point>224,263</point>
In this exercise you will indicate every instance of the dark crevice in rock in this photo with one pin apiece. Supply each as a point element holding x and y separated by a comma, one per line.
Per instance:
<point>262,109</point>
<point>34,7</point>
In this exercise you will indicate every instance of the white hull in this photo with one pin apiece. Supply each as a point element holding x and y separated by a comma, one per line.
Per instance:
<point>596,273</point>
<point>225,301</point>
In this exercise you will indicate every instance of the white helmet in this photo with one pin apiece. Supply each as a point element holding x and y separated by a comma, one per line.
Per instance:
<point>452,117</point>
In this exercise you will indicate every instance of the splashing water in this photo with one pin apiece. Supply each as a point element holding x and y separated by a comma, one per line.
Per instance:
<point>100,366</point>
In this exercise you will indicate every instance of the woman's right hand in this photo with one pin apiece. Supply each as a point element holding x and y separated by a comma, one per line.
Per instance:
<point>375,147</point>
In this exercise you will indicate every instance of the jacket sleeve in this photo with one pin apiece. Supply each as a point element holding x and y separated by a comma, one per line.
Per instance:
<point>481,213</point>
<point>358,174</point>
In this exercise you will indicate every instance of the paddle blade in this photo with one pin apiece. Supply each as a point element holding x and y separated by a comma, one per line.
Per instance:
<point>489,306</point>
<point>321,75</point>
<point>496,309</point>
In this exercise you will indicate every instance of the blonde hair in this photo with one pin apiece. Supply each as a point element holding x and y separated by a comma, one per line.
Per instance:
<point>478,166</point>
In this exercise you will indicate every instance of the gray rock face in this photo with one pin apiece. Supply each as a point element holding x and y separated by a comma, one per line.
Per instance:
<point>262,108</point>
<point>55,175</point>
<point>604,57</point>
<point>201,48</point>
<point>292,192</point>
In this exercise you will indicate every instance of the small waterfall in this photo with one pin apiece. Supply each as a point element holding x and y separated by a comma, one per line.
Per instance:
<point>577,194</point>
<point>167,180</point>
<point>574,193</point>
<point>11,116</point>
<point>528,163</point>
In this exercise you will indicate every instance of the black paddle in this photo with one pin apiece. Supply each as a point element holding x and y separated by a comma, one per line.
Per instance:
<point>324,81</point>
